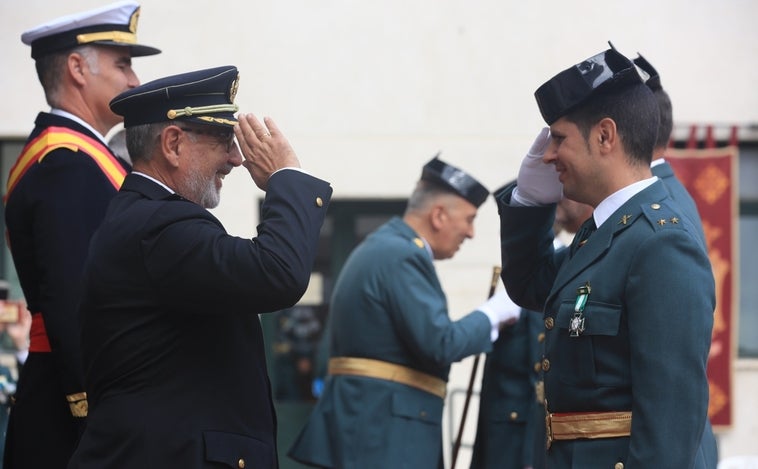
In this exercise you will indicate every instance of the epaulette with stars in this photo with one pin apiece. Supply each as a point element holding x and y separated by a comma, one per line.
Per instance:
<point>662,216</point>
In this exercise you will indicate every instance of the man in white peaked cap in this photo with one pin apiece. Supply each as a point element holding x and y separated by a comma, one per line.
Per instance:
<point>56,196</point>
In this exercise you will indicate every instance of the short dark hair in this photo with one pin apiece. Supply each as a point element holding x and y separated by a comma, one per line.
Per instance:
<point>142,139</point>
<point>635,111</point>
<point>50,67</point>
<point>666,123</point>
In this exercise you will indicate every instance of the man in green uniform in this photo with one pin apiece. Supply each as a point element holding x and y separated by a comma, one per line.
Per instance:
<point>628,310</point>
<point>392,341</point>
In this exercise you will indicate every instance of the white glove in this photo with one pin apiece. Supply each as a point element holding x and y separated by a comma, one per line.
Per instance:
<point>500,309</point>
<point>537,182</point>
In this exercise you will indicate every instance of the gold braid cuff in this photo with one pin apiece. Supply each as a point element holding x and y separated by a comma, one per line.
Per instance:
<point>78,404</point>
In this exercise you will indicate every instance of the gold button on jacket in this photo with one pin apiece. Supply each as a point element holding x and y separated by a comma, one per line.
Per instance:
<point>549,323</point>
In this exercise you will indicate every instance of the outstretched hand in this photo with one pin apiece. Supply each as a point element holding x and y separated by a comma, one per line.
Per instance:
<point>264,148</point>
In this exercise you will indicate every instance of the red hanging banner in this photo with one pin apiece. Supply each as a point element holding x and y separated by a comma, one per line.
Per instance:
<point>710,176</point>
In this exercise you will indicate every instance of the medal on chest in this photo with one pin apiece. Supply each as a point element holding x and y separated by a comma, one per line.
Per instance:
<point>576,324</point>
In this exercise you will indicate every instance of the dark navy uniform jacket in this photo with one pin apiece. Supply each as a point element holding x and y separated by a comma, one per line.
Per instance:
<point>173,349</point>
<point>648,322</point>
<point>50,217</point>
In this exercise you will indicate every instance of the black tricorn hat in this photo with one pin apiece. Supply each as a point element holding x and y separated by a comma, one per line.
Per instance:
<point>111,25</point>
<point>648,72</point>
<point>456,180</point>
<point>570,88</point>
<point>203,97</point>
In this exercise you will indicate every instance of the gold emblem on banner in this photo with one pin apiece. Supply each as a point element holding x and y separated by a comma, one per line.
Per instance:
<point>711,184</point>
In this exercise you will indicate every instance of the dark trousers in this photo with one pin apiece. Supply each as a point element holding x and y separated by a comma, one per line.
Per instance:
<point>41,433</point>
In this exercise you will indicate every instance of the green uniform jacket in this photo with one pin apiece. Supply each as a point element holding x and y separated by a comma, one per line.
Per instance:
<point>679,193</point>
<point>388,305</point>
<point>647,331</point>
<point>510,428</point>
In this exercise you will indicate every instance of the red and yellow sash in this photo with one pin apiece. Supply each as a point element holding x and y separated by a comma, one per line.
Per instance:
<point>53,138</point>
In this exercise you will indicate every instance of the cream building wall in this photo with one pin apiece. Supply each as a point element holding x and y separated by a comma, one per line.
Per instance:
<point>369,91</point>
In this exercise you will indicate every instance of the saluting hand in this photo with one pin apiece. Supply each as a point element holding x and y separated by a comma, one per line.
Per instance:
<point>538,183</point>
<point>264,148</point>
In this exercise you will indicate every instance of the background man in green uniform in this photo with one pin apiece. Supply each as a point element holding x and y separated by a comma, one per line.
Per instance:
<point>392,341</point>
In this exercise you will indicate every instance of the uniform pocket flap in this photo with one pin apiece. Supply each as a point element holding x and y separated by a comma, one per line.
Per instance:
<point>237,451</point>
<point>599,318</point>
<point>511,409</point>
<point>409,405</point>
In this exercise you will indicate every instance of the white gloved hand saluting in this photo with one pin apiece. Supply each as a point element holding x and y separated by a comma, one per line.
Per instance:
<point>537,182</point>
<point>501,310</point>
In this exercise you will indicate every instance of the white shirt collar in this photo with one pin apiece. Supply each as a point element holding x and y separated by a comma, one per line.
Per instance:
<point>68,115</point>
<point>428,248</point>
<point>154,180</point>
<point>611,203</point>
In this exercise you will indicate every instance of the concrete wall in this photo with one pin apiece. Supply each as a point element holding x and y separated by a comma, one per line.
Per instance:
<point>369,91</point>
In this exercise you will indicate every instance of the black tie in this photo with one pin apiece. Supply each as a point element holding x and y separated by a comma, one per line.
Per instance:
<point>581,236</point>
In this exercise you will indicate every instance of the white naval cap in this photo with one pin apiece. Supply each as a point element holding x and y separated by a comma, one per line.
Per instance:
<point>111,25</point>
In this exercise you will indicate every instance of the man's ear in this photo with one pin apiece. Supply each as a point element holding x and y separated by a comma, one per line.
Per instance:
<point>437,216</point>
<point>76,64</point>
<point>173,141</point>
<point>607,134</point>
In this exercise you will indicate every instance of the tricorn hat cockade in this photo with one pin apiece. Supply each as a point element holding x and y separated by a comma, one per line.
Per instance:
<point>454,179</point>
<point>567,90</point>
<point>648,72</point>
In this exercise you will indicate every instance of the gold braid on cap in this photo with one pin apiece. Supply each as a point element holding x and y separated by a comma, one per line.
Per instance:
<point>190,111</point>
<point>116,36</point>
<point>217,120</point>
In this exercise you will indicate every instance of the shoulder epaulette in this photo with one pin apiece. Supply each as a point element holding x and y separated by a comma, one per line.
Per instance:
<point>662,216</point>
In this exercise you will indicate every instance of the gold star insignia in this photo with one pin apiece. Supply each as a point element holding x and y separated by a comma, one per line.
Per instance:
<point>675,220</point>
<point>418,242</point>
<point>624,219</point>
<point>661,222</point>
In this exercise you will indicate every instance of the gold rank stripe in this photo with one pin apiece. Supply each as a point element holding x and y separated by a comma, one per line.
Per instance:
<point>53,138</point>
<point>115,36</point>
